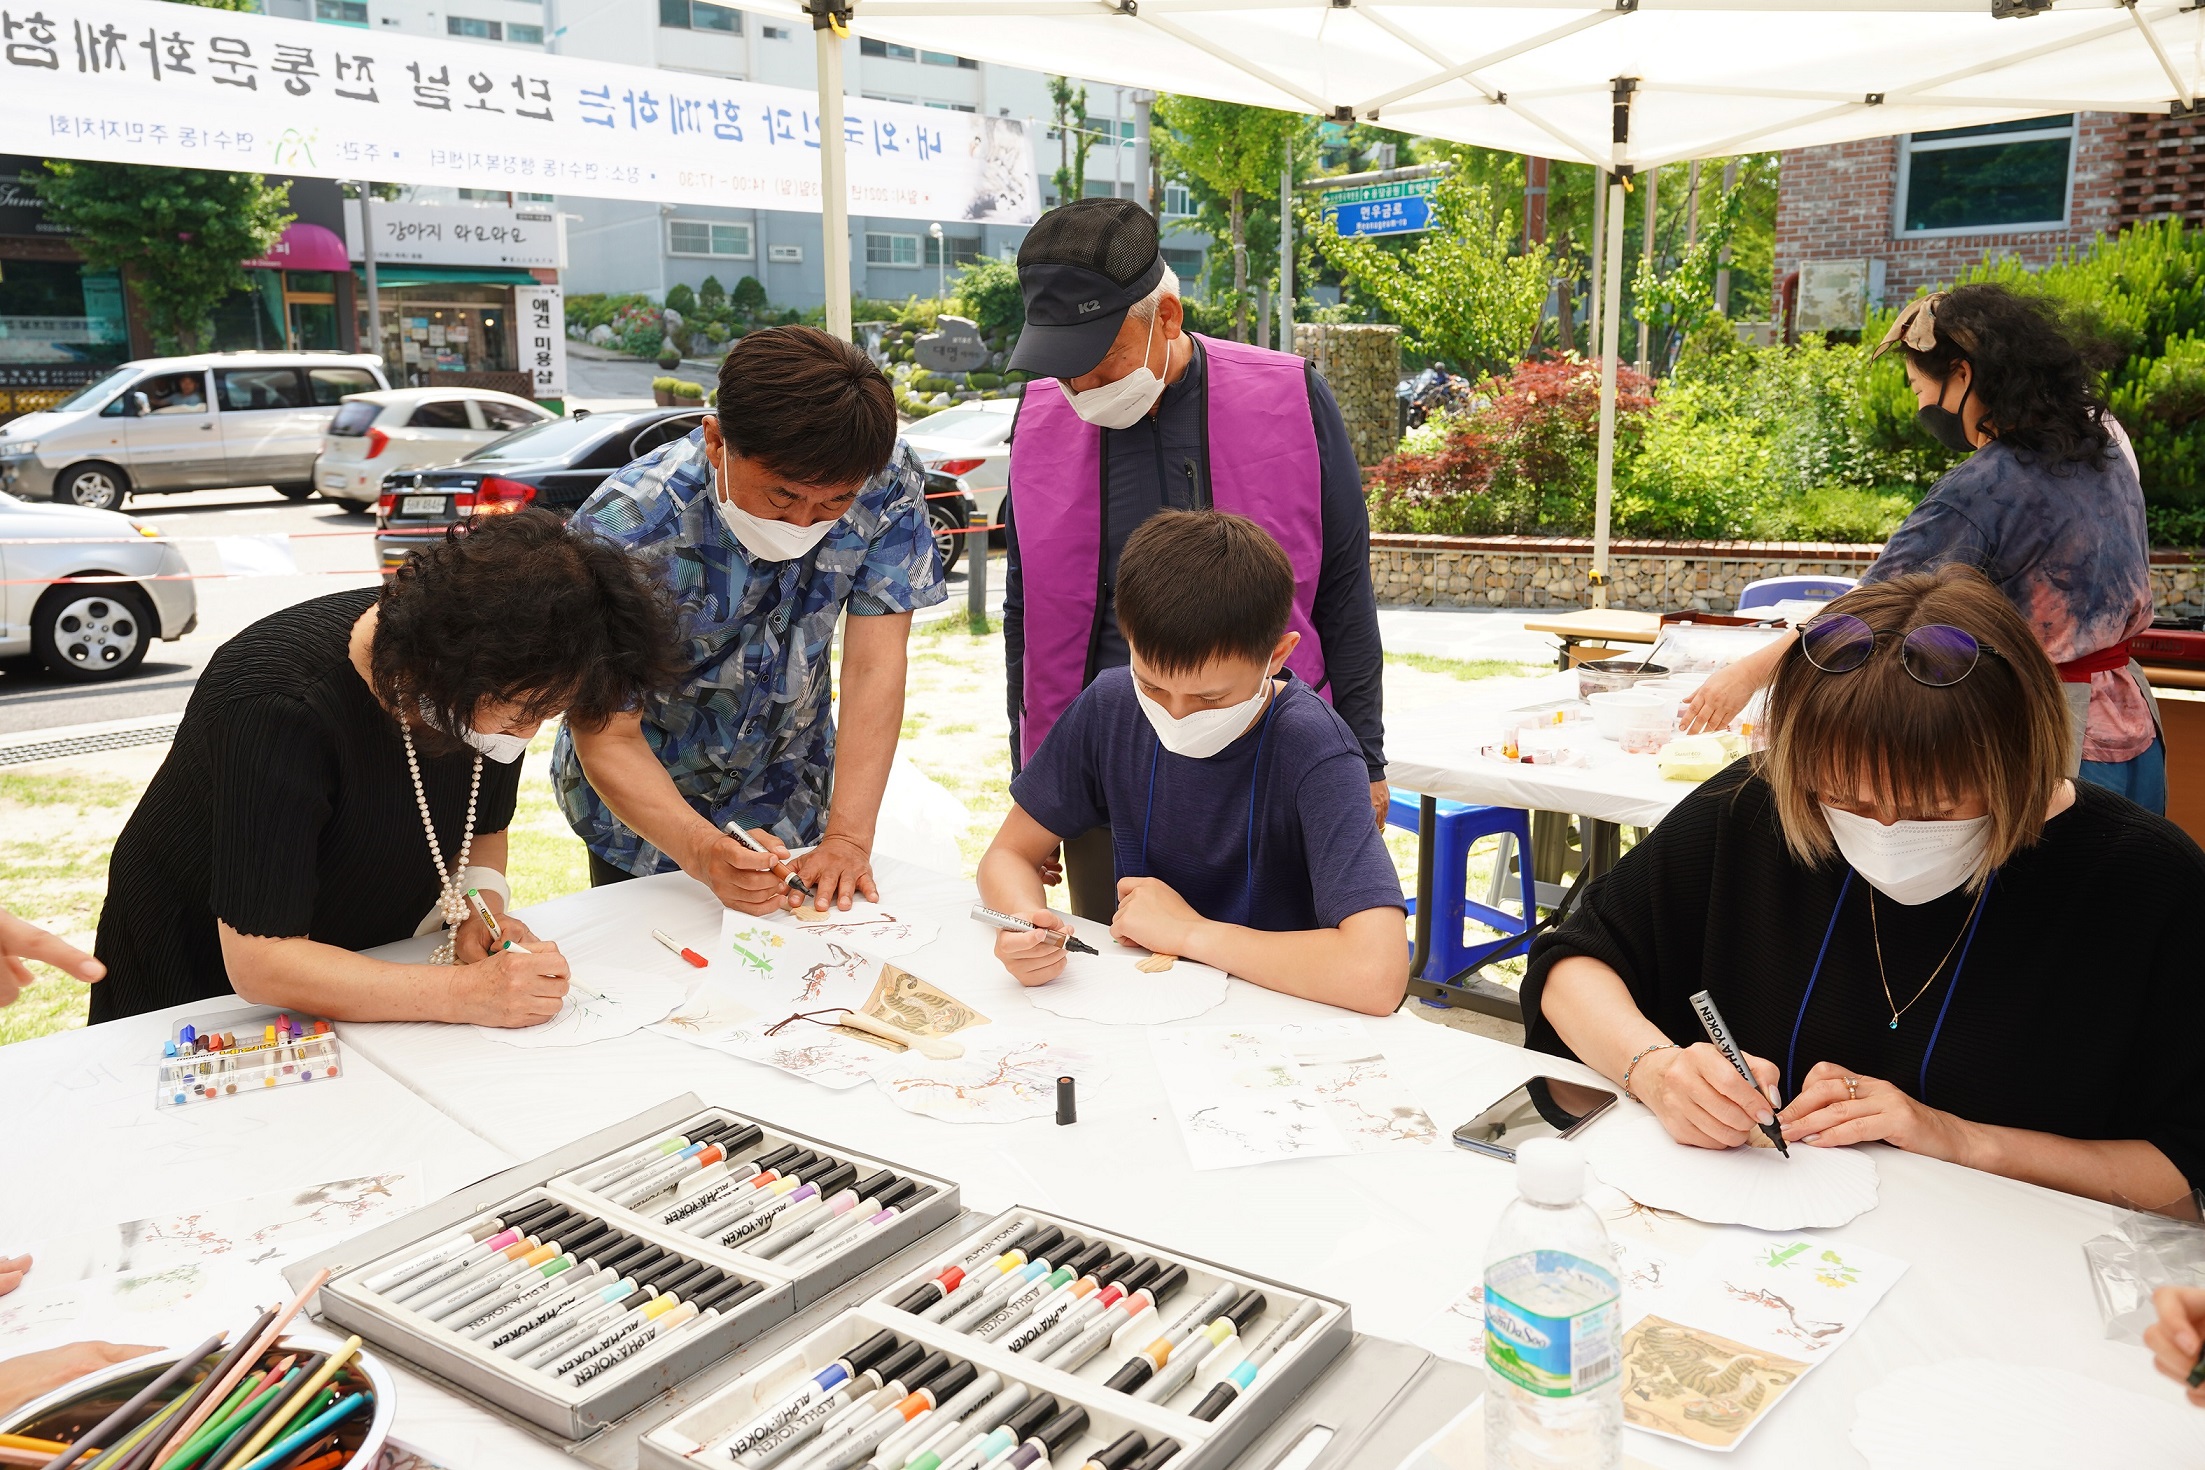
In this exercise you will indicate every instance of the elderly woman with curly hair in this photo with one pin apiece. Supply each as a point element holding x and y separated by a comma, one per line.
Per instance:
<point>2046,505</point>
<point>346,771</point>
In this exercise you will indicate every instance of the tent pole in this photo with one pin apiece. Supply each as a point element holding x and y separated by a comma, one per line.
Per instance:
<point>1599,257</point>
<point>1609,347</point>
<point>830,23</point>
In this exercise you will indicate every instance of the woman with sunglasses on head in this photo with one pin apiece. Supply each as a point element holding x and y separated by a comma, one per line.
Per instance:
<point>1897,909</point>
<point>2046,504</point>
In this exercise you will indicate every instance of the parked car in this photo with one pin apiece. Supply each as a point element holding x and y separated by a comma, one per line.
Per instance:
<point>185,423</point>
<point>971,442</point>
<point>406,428</point>
<point>558,465</point>
<point>80,630</point>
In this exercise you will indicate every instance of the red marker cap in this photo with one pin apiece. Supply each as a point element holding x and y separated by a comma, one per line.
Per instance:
<point>951,1278</point>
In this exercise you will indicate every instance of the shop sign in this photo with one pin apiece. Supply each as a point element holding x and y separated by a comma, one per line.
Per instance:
<point>459,234</point>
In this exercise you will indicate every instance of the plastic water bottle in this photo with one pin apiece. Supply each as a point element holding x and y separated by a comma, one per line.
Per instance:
<point>1553,1334</point>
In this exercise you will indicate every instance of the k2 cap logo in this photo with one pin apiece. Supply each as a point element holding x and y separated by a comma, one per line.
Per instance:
<point>1088,306</point>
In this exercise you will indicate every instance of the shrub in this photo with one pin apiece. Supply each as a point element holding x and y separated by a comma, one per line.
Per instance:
<point>596,309</point>
<point>712,296</point>
<point>987,293</point>
<point>983,380</point>
<point>681,299</point>
<point>749,296</point>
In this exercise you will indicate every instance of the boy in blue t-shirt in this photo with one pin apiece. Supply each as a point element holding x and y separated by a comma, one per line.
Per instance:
<point>1238,803</point>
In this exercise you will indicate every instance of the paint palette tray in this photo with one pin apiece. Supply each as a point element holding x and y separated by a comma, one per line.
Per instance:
<point>564,1201</point>
<point>242,1052</point>
<point>1312,1331</point>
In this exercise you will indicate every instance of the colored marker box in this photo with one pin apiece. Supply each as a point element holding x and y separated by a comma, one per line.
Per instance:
<point>244,1051</point>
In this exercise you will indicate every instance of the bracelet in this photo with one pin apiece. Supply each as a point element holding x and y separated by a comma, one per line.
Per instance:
<point>1632,1066</point>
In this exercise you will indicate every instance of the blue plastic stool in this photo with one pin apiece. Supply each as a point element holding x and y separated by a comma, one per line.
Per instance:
<point>1459,826</point>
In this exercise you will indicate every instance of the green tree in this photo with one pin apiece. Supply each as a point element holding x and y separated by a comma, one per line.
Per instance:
<point>712,296</point>
<point>987,292</point>
<point>1068,106</point>
<point>1466,293</point>
<point>179,234</point>
<point>748,297</point>
<point>681,299</point>
<point>1235,152</point>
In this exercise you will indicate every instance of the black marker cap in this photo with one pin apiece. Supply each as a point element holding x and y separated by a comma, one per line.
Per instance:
<point>897,1193</point>
<point>741,1136</point>
<point>535,1210</point>
<point>1125,1448</point>
<point>774,1158</point>
<point>1115,1267</point>
<point>1174,1277</point>
<point>1061,1431</point>
<point>1138,1275</point>
<point>925,1371</point>
<point>680,1276</point>
<point>920,1297</point>
<point>590,1233</point>
<point>1246,1310</point>
<point>1068,1108</point>
<point>1029,1417</point>
<point>893,1364</point>
<point>1217,1400</point>
<point>1038,1240</point>
<point>728,1294</point>
<point>1131,1374</point>
<point>959,1378</point>
<point>925,1193</point>
<point>834,1180</point>
<point>628,1253</point>
<point>1087,1260</point>
<point>1156,1458</point>
<point>873,1183</point>
<point>870,1351</point>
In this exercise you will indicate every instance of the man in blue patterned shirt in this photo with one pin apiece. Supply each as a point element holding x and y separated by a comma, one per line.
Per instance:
<point>789,506</point>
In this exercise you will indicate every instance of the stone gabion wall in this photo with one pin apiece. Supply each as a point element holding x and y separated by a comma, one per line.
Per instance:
<point>1363,365</point>
<point>1435,571</point>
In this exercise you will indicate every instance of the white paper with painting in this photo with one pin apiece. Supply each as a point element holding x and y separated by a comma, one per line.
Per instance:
<point>1253,1094</point>
<point>1814,1188</point>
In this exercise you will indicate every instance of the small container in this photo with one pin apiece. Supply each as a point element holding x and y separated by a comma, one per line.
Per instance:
<point>1617,711</point>
<point>1615,673</point>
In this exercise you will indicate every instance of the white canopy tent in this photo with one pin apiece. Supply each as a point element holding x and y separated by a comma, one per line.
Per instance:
<point>1703,78</point>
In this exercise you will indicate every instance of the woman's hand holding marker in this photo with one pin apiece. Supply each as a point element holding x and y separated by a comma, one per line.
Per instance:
<point>1032,957</point>
<point>20,941</point>
<point>513,987</point>
<point>739,877</point>
<point>1701,1099</point>
<point>2177,1339</point>
<point>475,941</point>
<point>1838,1107</point>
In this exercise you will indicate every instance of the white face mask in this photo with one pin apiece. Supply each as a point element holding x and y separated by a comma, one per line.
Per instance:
<point>768,540</point>
<point>1910,862</point>
<point>1119,405</point>
<point>1207,731</point>
<point>504,749</point>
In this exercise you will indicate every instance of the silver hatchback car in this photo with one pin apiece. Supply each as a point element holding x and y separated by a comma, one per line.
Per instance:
<point>88,630</point>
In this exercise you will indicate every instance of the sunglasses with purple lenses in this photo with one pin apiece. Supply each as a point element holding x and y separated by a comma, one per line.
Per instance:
<point>1936,654</point>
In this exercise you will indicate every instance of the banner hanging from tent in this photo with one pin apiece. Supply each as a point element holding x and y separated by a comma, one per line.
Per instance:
<point>142,81</point>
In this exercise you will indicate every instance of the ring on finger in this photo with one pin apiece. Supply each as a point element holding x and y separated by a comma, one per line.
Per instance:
<point>1852,1089</point>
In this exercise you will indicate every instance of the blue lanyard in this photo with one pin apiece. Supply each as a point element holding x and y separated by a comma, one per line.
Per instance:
<point>1248,852</point>
<point>1921,1089</point>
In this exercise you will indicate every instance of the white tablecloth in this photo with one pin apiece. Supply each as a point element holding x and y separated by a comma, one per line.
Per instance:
<point>1996,1269</point>
<point>1434,750</point>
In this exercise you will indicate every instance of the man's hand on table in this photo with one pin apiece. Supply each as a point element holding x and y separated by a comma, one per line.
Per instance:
<point>839,869</point>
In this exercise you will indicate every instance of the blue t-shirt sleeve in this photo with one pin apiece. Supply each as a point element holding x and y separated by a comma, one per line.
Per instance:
<point>902,569</point>
<point>1933,536</point>
<point>1349,868</point>
<point>1062,786</point>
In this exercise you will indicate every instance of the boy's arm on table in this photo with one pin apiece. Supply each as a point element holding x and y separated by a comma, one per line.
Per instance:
<point>1010,880</point>
<point>1361,964</point>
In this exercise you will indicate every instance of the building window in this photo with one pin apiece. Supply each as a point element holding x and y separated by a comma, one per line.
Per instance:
<point>695,15</point>
<point>536,198</point>
<point>891,249</point>
<point>2000,176</point>
<point>341,12</point>
<point>963,249</point>
<point>474,30</point>
<point>486,196</point>
<point>1185,264</point>
<point>1100,128</point>
<point>867,46</point>
<point>708,237</point>
<point>777,33</point>
<point>944,58</point>
<point>949,106</point>
<point>1178,202</point>
<point>525,35</point>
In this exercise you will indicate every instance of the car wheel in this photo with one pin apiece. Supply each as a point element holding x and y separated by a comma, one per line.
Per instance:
<point>296,492</point>
<point>949,531</point>
<point>93,486</point>
<point>91,633</point>
<point>357,507</point>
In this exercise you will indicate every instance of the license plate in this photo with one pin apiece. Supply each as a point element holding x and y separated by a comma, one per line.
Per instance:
<point>333,482</point>
<point>421,505</point>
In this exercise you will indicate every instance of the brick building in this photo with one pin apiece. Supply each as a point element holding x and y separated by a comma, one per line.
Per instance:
<point>1923,206</point>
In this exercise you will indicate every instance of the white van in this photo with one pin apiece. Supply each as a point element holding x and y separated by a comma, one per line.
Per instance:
<point>185,423</point>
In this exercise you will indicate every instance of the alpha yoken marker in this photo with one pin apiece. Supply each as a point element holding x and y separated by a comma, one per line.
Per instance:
<point>1226,1390</point>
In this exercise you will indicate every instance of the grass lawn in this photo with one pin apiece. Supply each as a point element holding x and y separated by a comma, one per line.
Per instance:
<point>58,823</point>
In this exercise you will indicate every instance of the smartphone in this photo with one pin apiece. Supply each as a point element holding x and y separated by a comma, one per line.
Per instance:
<point>1544,1107</point>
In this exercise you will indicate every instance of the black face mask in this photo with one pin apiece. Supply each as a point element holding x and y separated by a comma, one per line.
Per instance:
<point>1945,425</point>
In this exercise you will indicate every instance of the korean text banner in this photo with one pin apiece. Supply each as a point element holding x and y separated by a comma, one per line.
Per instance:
<point>142,81</point>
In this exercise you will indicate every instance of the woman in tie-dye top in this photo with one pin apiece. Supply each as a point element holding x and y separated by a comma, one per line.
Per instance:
<point>2047,506</point>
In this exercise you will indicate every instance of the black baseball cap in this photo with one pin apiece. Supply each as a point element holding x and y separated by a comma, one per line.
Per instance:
<point>1082,267</point>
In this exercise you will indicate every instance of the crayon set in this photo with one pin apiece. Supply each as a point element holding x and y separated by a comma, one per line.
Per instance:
<point>1034,1343</point>
<point>244,1052</point>
<point>248,1401</point>
<point>572,1289</point>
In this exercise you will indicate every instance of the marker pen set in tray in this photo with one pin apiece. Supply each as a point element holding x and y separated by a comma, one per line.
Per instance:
<point>1037,1343</point>
<point>573,1289</point>
<point>244,1051</point>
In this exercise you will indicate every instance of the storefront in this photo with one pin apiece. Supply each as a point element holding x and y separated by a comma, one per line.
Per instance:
<point>62,323</point>
<point>452,286</point>
<point>299,298</point>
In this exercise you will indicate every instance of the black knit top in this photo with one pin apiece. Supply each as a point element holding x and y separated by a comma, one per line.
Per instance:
<point>283,809</point>
<point>2079,1010</point>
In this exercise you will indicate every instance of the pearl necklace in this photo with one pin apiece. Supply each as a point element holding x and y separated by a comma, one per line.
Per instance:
<point>451,898</point>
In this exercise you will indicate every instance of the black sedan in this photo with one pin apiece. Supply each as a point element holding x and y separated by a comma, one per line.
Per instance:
<point>558,465</point>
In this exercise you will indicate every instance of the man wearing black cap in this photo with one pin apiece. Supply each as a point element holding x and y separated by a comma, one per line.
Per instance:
<point>1130,414</point>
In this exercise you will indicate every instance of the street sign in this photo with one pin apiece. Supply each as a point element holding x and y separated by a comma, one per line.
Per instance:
<point>1400,208</point>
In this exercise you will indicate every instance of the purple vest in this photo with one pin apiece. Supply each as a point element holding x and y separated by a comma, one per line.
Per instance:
<point>1263,465</point>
